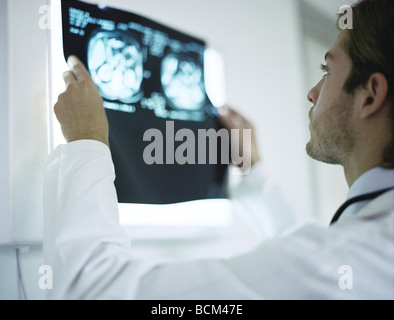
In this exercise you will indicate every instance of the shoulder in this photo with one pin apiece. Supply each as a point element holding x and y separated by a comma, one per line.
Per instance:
<point>382,206</point>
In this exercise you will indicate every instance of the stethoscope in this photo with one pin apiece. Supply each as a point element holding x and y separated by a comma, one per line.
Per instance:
<point>369,196</point>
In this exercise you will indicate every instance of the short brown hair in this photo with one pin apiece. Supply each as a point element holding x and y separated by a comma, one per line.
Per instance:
<point>370,46</point>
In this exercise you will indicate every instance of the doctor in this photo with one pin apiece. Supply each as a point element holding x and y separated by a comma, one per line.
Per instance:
<point>351,124</point>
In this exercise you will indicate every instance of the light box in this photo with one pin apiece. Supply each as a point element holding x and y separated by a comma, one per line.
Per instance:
<point>150,77</point>
<point>23,121</point>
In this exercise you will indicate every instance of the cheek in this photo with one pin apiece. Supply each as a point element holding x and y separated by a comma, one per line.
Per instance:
<point>317,112</point>
<point>320,119</point>
<point>323,104</point>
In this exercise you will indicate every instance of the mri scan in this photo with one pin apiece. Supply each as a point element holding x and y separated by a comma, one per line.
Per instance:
<point>182,81</point>
<point>148,74</point>
<point>115,62</point>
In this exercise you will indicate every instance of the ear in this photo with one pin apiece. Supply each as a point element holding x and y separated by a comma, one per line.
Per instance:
<point>375,95</point>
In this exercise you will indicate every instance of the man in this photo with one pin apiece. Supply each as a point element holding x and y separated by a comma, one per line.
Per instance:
<point>351,123</point>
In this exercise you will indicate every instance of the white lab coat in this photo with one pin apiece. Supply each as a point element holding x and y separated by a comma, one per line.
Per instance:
<point>92,257</point>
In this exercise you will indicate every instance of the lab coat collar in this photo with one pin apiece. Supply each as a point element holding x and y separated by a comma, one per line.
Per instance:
<point>371,181</point>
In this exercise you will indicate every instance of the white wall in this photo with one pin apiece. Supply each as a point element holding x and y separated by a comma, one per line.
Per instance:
<point>261,43</point>
<point>5,202</point>
<point>23,145</point>
<point>24,118</point>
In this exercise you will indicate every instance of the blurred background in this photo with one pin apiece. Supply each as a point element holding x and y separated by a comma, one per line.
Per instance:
<point>272,51</point>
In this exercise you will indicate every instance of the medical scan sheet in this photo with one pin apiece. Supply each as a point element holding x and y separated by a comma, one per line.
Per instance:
<point>151,79</point>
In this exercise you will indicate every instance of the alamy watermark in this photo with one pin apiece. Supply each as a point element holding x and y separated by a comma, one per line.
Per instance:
<point>200,149</point>
<point>346,19</point>
<point>44,22</point>
<point>45,282</point>
<point>345,281</point>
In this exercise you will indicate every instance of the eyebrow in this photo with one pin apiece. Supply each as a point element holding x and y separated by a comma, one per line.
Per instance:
<point>328,55</point>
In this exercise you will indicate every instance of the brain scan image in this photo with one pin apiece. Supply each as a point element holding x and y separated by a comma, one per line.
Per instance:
<point>115,62</point>
<point>182,82</point>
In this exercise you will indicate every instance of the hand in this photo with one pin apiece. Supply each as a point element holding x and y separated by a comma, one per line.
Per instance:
<point>80,108</point>
<point>231,119</point>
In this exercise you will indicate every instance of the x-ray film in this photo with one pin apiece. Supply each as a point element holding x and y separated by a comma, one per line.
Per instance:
<point>151,77</point>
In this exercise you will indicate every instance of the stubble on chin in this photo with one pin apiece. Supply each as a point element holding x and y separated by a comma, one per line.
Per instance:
<point>332,138</point>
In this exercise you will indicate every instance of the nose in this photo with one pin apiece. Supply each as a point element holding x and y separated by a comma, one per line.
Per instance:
<point>313,94</point>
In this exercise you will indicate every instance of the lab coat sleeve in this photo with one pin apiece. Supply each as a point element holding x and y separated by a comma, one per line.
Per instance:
<point>261,201</point>
<point>84,244</point>
<point>351,260</point>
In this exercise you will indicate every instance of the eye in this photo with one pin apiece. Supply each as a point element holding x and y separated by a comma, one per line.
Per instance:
<point>325,69</point>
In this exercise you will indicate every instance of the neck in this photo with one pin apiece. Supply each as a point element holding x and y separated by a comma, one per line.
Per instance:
<point>367,152</point>
<point>357,165</point>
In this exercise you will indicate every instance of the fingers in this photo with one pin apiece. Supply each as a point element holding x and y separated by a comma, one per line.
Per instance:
<point>231,119</point>
<point>226,117</point>
<point>69,78</point>
<point>78,69</point>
